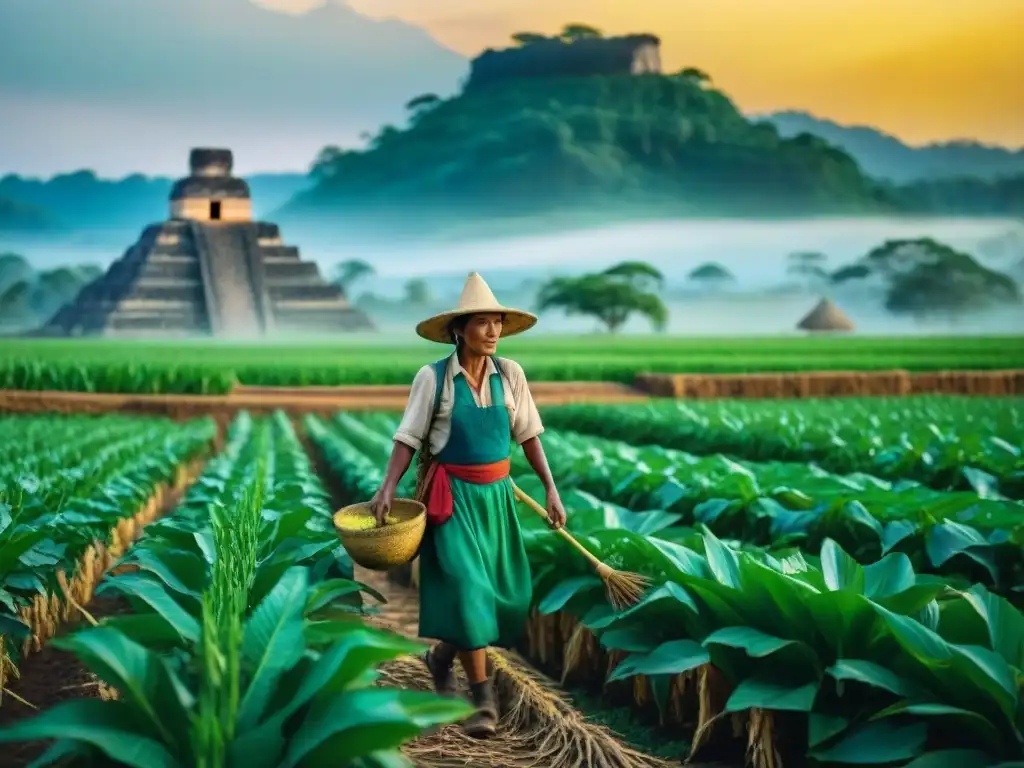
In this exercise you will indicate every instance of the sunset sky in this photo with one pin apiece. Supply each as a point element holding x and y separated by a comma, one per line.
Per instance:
<point>923,70</point>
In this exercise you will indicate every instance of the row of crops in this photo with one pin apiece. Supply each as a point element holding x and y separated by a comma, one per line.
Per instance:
<point>171,367</point>
<point>802,613</point>
<point>65,485</point>
<point>948,443</point>
<point>242,642</point>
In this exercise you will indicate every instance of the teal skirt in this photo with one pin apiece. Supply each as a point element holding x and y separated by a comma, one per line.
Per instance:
<point>475,587</point>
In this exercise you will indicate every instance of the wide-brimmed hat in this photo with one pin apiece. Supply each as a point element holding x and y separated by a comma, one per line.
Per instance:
<point>476,298</point>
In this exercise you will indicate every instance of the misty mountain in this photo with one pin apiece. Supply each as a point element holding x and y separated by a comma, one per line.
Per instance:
<point>82,201</point>
<point>135,83</point>
<point>886,157</point>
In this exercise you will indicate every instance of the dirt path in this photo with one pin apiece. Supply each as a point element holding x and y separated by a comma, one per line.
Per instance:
<point>539,726</point>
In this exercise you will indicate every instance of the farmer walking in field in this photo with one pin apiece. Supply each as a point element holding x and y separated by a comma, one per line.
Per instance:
<point>463,412</point>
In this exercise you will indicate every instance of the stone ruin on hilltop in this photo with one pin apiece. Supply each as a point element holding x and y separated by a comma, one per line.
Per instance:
<point>556,57</point>
<point>209,270</point>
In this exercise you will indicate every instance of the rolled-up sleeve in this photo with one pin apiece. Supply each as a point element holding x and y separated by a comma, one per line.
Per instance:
<point>412,431</point>
<point>526,423</point>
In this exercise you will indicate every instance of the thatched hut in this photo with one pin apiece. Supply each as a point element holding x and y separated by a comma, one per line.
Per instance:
<point>826,317</point>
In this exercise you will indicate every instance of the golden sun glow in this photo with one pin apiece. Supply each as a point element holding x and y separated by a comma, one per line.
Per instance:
<point>923,70</point>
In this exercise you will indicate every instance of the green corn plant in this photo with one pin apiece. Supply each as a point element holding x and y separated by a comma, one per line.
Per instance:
<point>84,476</point>
<point>866,655</point>
<point>236,654</point>
<point>949,443</point>
<point>800,505</point>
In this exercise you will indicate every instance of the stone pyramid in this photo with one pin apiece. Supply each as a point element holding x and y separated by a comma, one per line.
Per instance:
<point>826,316</point>
<point>209,270</point>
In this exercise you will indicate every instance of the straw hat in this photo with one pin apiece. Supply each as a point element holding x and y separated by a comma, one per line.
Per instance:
<point>476,298</point>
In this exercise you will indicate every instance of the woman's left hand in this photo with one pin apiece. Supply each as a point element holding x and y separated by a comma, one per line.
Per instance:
<point>556,512</point>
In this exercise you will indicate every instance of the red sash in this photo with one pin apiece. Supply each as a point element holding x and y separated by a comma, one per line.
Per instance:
<point>439,502</point>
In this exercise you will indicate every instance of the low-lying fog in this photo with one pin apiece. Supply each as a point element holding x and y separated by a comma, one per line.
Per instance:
<point>763,299</point>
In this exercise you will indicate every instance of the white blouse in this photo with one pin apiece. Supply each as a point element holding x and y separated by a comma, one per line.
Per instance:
<point>524,419</point>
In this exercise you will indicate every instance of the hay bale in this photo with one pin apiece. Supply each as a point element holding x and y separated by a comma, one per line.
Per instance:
<point>826,317</point>
<point>661,384</point>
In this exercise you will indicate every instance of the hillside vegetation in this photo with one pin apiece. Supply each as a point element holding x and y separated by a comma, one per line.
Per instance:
<point>17,216</point>
<point>651,144</point>
<point>886,157</point>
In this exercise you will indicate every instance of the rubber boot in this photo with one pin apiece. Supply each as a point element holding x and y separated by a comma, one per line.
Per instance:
<point>483,723</point>
<point>440,661</point>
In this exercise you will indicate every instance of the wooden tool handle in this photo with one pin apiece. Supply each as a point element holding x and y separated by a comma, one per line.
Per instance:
<point>523,497</point>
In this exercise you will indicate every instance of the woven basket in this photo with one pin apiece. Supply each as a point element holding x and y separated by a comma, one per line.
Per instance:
<point>390,546</point>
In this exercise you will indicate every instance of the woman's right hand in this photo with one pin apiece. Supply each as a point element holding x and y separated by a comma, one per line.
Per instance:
<point>380,504</point>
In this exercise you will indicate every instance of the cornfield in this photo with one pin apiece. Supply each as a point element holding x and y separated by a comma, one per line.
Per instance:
<point>834,583</point>
<point>211,368</point>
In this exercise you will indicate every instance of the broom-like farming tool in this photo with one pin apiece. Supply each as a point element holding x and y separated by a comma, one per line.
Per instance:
<point>624,589</point>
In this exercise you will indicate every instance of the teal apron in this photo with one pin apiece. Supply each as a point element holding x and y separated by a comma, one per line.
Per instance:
<point>475,587</point>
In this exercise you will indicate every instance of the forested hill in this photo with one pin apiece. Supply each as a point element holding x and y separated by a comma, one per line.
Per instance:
<point>671,144</point>
<point>886,157</point>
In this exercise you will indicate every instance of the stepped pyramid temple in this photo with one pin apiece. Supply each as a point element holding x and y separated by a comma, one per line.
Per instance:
<point>825,317</point>
<point>209,270</point>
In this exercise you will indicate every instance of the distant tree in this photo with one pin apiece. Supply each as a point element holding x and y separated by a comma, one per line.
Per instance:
<point>808,265</point>
<point>54,288</point>
<point>351,271</point>
<point>929,277</point>
<point>422,104</point>
<point>527,38</point>
<point>638,273</point>
<point>13,268</point>
<point>417,292</point>
<point>851,272</point>
<point>88,272</point>
<point>695,75</point>
<point>711,273</point>
<point>611,296</point>
<point>423,100</point>
<point>576,31</point>
<point>15,304</point>
<point>384,135</point>
<point>323,166</point>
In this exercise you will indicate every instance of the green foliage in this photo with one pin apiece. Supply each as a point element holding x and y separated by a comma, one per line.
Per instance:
<point>869,663</point>
<point>868,660</point>
<point>964,444</point>
<point>18,216</point>
<point>14,268</point>
<point>695,75</point>
<point>238,651</point>
<point>646,143</point>
<point>966,196</point>
<point>525,38</point>
<point>942,280</point>
<point>924,276</point>
<point>66,482</point>
<point>29,298</point>
<point>104,365</point>
<point>351,271</point>
<point>790,504</point>
<point>710,272</point>
<point>611,296</point>
<point>417,292</point>
<point>577,31</point>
